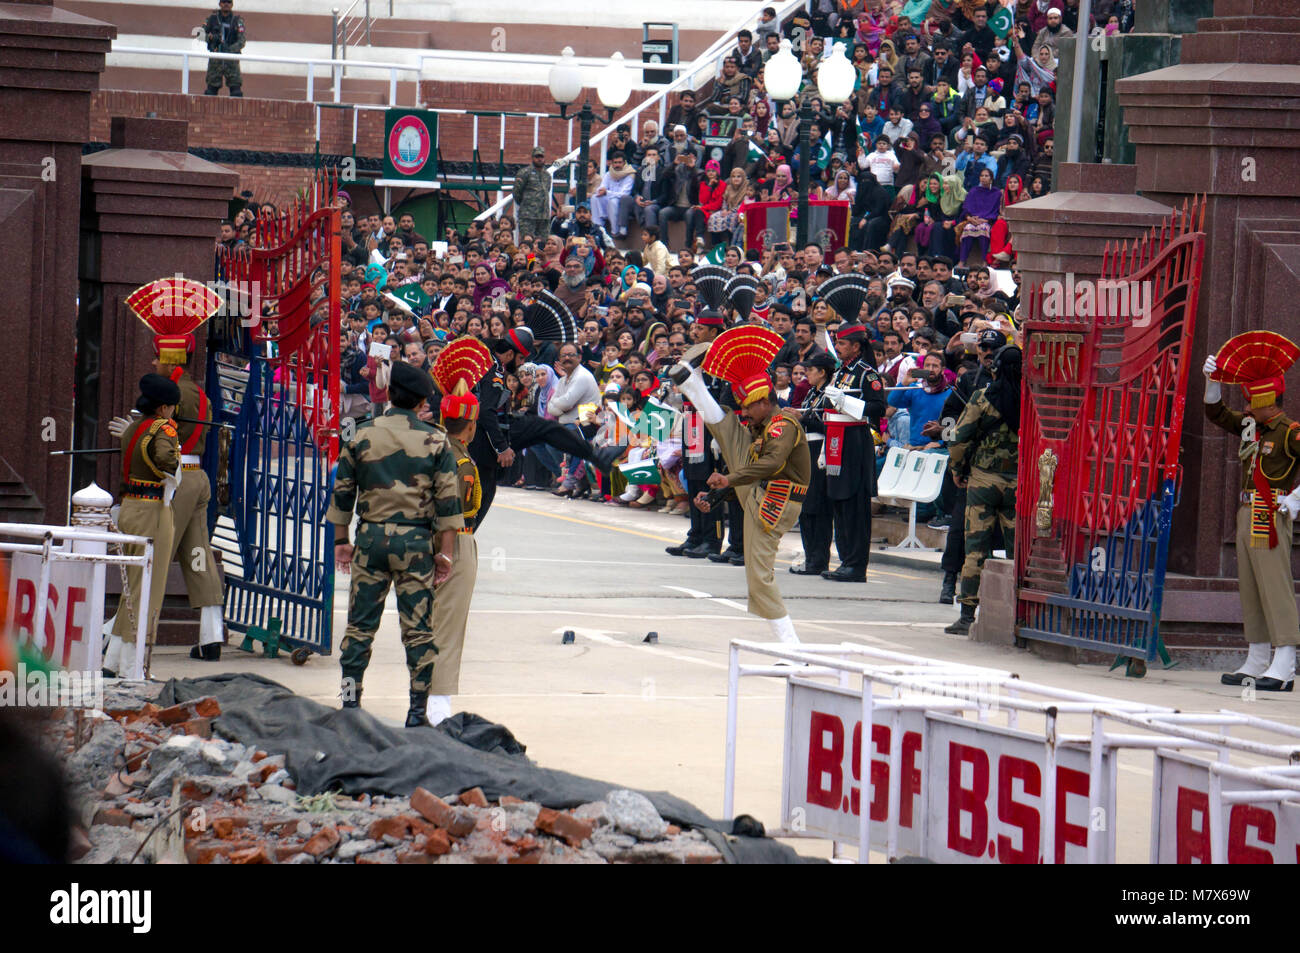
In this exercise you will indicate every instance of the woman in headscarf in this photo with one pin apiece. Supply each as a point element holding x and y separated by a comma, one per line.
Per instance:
<point>1038,71</point>
<point>762,116</point>
<point>486,285</point>
<point>725,219</point>
<point>926,126</point>
<point>787,124</point>
<point>861,65</point>
<point>783,189</point>
<point>871,26</point>
<point>1000,250</point>
<point>842,188</point>
<point>978,213</point>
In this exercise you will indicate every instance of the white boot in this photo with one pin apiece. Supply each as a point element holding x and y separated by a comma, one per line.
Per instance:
<point>1257,659</point>
<point>698,394</point>
<point>1281,674</point>
<point>212,627</point>
<point>437,708</point>
<point>113,654</point>
<point>783,629</point>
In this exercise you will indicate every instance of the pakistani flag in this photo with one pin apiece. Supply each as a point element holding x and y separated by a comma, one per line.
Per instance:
<point>658,419</point>
<point>641,473</point>
<point>717,254</point>
<point>1002,22</point>
<point>413,295</point>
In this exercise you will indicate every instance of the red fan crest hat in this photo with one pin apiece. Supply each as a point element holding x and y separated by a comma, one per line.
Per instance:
<point>741,357</point>
<point>459,367</point>
<point>174,308</point>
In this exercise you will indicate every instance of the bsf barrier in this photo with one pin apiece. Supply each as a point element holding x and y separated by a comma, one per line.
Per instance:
<point>273,372</point>
<point>964,764</point>
<point>1104,389</point>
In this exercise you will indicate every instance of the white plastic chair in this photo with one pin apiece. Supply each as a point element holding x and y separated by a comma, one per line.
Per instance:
<point>922,482</point>
<point>892,474</point>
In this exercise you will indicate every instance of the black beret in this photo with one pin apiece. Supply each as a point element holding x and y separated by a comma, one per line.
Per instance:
<point>823,361</point>
<point>411,379</point>
<point>159,390</point>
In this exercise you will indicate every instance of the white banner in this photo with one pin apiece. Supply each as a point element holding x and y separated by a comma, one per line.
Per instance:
<point>1257,833</point>
<point>74,610</point>
<point>980,786</point>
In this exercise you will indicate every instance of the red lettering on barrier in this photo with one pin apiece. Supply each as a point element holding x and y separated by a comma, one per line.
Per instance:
<point>1192,843</point>
<point>1069,781</point>
<point>25,607</point>
<point>53,599</point>
<point>1242,819</point>
<point>969,801</point>
<point>71,631</point>
<point>911,785</point>
<point>880,735</point>
<point>1017,814</point>
<point>825,759</point>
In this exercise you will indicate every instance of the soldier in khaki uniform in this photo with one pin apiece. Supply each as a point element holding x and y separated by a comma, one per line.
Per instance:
<point>1269,449</point>
<point>459,368</point>
<point>150,458</point>
<point>768,464</point>
<point>983,454</point>
<point>174,308</point>
<point>399,474</point>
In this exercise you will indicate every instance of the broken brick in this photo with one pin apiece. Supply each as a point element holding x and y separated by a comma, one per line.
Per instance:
<point>431,807</point>
<point>463,820</point>
<point>439,842</point>
<point>672,830</point>
<point>533,856</point>
<point>510,799</point>
<point>202,727</point>
<point>207,707</point>
<point>175,715</point>
<point>286,850</point>
<point>322,842</point>
<point>259,756</point>
<point>252,855</point>
<point>113,817</point>
<point>411,857</point>
<point>474,797</point>
<point>223,827</point>
<point>398,827</point>
<point>419,825</point>
<point>573,830</point>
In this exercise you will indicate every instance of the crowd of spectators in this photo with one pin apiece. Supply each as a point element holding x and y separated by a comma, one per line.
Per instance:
<point>948,125</point>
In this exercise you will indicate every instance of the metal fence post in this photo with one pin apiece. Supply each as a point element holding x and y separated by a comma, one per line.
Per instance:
<point>334,40</point>
<point>185,73</point>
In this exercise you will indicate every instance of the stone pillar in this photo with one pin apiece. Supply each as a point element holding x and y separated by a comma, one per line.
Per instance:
<point>1066,231</point>
<point>50,61</point>
<point>1222,123</point>
<point>151,210</point>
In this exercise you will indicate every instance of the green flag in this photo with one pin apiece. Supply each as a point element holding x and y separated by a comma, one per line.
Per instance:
<point>413,295</point>
<point>641,473</point>
<point>916,11</point>
<point>1002,22</point>
<point>658,419</point>
<point>717,254</point>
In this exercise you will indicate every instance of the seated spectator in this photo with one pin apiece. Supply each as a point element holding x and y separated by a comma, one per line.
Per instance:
<point>981,208</point>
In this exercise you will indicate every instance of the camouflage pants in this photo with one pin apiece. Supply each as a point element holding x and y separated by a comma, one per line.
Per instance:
<point>990,500</point>
<point>539,226</point>
<point>229,69</point>
<point>389,553</point>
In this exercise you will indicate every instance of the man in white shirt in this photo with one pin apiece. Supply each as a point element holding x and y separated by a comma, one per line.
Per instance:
<point>575,388</point>
<point>613,203</point>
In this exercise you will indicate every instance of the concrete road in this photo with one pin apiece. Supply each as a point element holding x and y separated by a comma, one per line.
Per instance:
<point>653,716</point>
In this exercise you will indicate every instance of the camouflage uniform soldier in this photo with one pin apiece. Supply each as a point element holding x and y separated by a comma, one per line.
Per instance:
<point>533,197</point>
<point>983,455</point>
<point>400,475</point>
<point>224,33</point>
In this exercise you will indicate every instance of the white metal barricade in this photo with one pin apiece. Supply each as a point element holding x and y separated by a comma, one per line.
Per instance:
<point>1217,796</point>
<point>79,544</point>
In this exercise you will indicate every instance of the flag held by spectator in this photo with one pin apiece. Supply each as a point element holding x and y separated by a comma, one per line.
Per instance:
<point>766,223</point>
<point>641,472</point>
<point>828,223</point>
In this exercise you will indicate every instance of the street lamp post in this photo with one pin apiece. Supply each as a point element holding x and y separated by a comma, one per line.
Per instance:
<point>783,76</point>
<point>613,87</point>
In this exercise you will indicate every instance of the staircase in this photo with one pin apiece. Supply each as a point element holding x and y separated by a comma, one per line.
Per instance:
<point>18,504</point>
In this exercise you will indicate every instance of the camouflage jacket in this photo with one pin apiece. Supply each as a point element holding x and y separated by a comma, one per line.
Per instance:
<point>532,193</point>
<point>982,440</point>
<point>398,469</point>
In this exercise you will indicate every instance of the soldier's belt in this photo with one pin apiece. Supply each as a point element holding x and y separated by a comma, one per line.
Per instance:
<point>423,524</point>
<point>843,420</point>
<point>777,494</point>
<point>142,490</point>
<point>465,531</point>
<point>191,461</point>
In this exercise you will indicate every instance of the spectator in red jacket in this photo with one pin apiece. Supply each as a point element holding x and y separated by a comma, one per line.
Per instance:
<point>711,192</point>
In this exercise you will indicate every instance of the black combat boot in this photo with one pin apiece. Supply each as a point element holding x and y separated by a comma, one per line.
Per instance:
<point>963,623</point>
<point>355,700</point>
<point>948,591</point>
<point>207,653</point>
<point>416,715</point>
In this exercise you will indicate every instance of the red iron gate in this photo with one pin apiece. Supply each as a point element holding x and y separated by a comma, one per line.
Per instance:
<point>1105,384</point>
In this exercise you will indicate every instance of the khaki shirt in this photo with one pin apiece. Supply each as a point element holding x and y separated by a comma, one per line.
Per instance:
<point>155,454</point>
<point>779,451</point>
<point>1279,445</point>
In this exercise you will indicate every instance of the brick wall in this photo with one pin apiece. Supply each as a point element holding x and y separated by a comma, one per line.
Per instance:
<point>272,125</point>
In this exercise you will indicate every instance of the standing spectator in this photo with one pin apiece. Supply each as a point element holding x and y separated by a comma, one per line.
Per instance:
<point>532,194</point>
<point>747,57</point>
<point>225,34</point>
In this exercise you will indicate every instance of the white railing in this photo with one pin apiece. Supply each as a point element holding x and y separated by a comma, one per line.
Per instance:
<point>685,79</point>
<point>80,544</point>
<point>334,65</point>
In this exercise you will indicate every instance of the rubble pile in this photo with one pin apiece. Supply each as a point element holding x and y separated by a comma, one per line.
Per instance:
<point>155,785</point>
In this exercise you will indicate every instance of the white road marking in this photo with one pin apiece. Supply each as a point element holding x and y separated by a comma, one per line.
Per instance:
<point>598,635</point>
